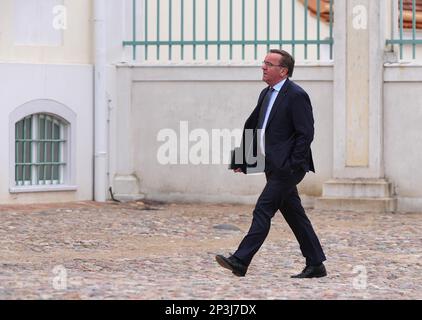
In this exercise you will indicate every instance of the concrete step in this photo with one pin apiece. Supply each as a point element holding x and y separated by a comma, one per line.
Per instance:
<point>358,204</point>
<point>126,188</point>
<point>128,197</point>
<point>357,188</point>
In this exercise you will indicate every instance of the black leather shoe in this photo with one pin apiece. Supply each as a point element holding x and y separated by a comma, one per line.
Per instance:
<point>312,272</point>
<point>233,264</point>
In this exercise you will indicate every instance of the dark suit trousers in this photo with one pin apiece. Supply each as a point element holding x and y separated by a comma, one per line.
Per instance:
<point>280,193</point>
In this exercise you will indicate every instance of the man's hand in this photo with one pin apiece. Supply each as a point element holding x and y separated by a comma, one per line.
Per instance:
<point>238,170</point>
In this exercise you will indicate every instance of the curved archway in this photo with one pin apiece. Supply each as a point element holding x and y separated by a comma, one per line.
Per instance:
<point>33,115</point>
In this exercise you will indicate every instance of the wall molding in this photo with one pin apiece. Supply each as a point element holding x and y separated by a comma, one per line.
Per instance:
<point>401,72</point>
<point>208,73</point>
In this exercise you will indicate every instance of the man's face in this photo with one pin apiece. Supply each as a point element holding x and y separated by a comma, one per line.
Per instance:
<point>272,73</point>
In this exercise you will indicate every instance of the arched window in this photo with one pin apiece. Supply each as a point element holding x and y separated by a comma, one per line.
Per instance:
<point>40,144</point>
<point>42,148</point>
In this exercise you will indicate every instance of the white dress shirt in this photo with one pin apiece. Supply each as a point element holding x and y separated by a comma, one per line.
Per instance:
<point>277,89</point>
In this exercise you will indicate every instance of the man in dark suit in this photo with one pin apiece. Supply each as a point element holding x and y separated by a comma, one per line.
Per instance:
<point>283,127</point>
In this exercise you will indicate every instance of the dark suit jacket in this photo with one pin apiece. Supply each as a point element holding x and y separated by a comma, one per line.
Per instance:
<point>288,134</point>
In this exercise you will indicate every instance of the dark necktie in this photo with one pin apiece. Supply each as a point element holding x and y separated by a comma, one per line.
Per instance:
<point>264,108</point>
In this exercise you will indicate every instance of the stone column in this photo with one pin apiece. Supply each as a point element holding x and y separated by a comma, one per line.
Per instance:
<point>358,175</point>
<point>122,177</point>
<point>125,182</point>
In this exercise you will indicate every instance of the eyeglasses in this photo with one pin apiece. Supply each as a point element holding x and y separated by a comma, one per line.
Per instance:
<point>269,64</point>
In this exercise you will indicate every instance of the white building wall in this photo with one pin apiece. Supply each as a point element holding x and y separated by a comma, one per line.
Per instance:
<point>207,98</point>
<point>156,98</point>
<point>68,85</point>
<point>43,44</point>
<point>39,62</point>
<point>402,133</point>
<point>148,96</point>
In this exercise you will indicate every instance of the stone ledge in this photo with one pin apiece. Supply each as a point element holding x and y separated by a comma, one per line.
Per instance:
<point>357,188</point>
<point>356,204</point>
<point>129,197</point>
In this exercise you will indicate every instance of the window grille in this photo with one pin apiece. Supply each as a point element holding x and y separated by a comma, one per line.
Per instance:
<point>39,150</point>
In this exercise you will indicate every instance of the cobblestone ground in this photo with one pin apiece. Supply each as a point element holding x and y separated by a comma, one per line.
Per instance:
<point>166,251</point>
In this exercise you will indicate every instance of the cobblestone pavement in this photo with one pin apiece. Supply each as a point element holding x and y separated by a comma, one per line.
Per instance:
<point>143,250</point>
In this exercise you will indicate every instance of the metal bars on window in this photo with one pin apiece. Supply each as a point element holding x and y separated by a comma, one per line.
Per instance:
<point>407,23</point>
<point>220,30</point>
<point>39,150</point>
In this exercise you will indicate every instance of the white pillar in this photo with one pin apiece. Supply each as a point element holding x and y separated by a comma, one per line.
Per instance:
<point>358,174</point>
<point>125,183</point>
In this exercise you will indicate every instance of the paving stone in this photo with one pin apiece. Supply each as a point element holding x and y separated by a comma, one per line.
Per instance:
<point>150,250</point>
<point>228,227</point>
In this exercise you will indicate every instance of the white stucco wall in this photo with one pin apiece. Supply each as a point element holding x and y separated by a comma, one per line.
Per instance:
<point>209,98</point>
<point>69,85</point>
<point>403,133</point>
<point>76,37</point>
